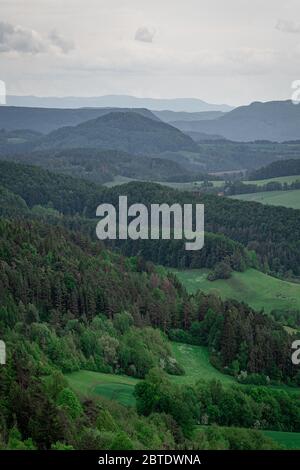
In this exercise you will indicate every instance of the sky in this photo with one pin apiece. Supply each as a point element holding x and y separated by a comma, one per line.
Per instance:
<point>221,51</point>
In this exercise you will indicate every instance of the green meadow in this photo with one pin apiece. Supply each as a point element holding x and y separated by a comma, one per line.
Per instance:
<point>194,359</point>
<point>111,386</point>
<point>275,198</point>
<point>278,179</point>
<point>289,440</point>
<point>257,289</point>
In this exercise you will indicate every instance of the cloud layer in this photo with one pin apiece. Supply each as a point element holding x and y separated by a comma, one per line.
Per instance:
<point>28,41</point>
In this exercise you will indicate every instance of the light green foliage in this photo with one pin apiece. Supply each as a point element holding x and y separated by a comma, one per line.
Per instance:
<point>257,289</point>
<point>69,402</point>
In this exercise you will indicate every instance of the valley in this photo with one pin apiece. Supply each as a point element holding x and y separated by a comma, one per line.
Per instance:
<point>130,344</point>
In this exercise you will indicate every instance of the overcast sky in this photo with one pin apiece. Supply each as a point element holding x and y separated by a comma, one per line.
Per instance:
<point>221,51</point>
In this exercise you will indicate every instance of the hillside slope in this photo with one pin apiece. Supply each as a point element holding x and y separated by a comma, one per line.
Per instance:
<point>127,131</point>
<point>48,119</point>
<point>275,121</point>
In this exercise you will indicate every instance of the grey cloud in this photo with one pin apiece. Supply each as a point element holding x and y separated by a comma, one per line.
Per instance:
<point>63,44</point>
<point>286,26</point>
<point>144,34</point>
<point>27,41</point>
<point>16,38</point>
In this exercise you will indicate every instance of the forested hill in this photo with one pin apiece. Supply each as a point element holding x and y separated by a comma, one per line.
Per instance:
<point>37,186</point>
<point>68,304</point>
<point>102,166</point>
<point>273,233</point>
<point>126,131</point>
<point>56,277</point>
<point>276,121</point>
<point>275,169</point>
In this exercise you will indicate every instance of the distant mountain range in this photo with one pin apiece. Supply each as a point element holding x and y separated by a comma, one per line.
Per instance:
<point>175,116</point>
<point>117,101</point>
<point>274,121</point>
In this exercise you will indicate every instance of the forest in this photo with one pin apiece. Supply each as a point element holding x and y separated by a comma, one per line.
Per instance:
<point>68,303</point>
<point>71,303</point>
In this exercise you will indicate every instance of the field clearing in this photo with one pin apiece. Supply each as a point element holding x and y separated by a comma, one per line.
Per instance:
<point>195,361</point>
<point>118,180</point>
<point>193,185</point>
<point>114,387</point>
<point>277,179</point>
<point>289,199</point>
<point>257,289</point>
<point>290,440</point>
<point>190,186</point>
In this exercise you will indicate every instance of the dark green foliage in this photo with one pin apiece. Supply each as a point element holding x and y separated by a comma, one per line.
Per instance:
<point>273,233</point>
<point>276,169</point>
<point>40,187</point>
<point>221,270</point>
<point>126,131</point>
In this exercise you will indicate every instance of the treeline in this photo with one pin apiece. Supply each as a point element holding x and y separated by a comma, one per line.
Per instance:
<point>211,403</point>
<point>278,168</point>
<point>101,166</point>
<point>217,249</point>
<point>239,187</point>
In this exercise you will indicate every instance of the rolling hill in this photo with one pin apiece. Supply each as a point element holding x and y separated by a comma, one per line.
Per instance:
<point>290,167</point>
<point>102,166</point>
<point>275,121</point>
<point>46,120</point>
<point>126,131</point>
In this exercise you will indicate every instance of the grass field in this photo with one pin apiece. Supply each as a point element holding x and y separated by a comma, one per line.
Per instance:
<point>117,181</point>
<point>275,198</point>
<point>290,440</point>
<point>255,288</point>
<point>114,387</point>
<point>195,361</point>
<point>191,186</point>
<point>279,179</point>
